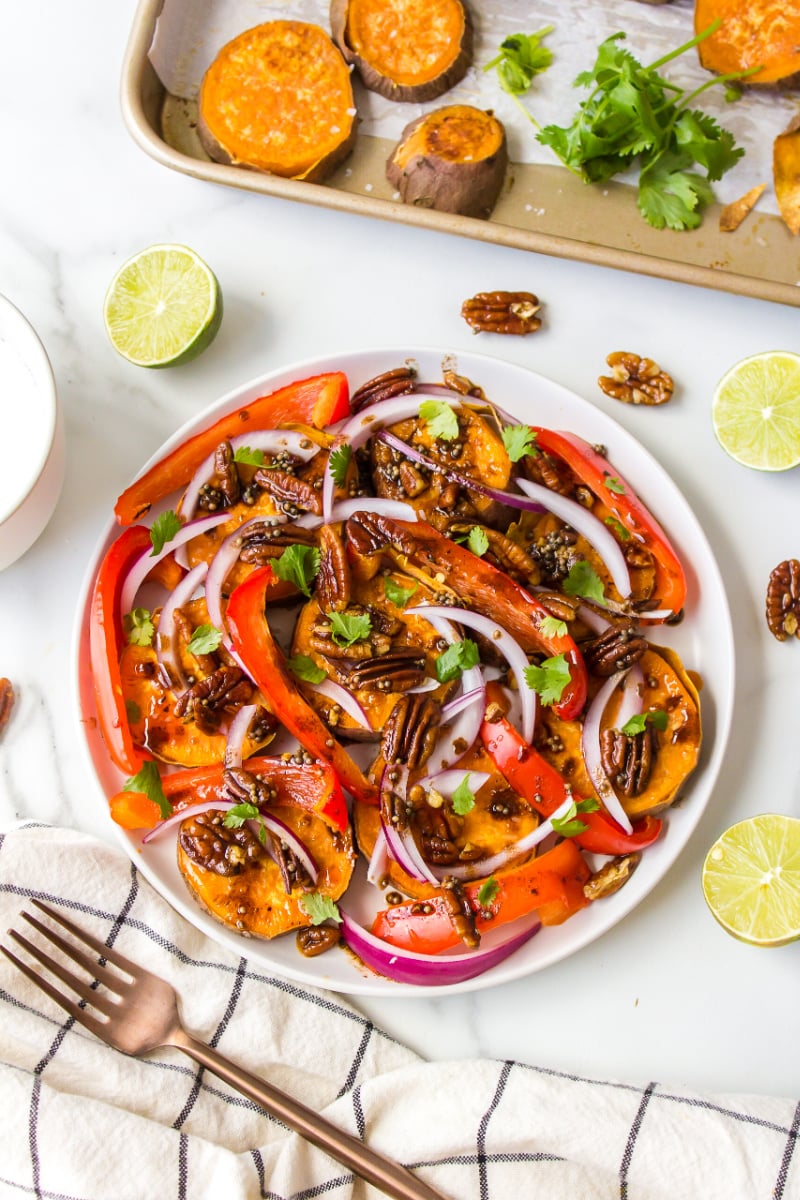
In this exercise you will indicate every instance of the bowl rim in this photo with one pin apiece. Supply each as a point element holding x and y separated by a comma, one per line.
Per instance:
<point>16,329</point>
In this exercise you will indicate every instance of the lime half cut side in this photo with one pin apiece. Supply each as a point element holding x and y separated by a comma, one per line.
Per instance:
<point>756,411</point>
<point>163,307</point>
<point>751,880</point>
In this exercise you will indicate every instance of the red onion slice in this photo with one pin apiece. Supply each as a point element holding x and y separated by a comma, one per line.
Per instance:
<point>145,563</point>
<point>346,700</point>
<point>221,566</point>
<point>589,526</point>
<point>591,751</point>
<point>271,441</point>
<point>456,738</point>
<point>237,732</point>
<point>383,506</point>
<point>511,650</point>
<point>447,782</point>
<point>428,970</point>
<point>482,868</point>
<point>400,844</point>
<point>378,861</point>
<point>166,650</point>
<point>630,704</point>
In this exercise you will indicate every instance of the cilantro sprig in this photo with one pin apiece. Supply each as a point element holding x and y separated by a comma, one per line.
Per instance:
<point>163,530</point>
<point>440,418</point>
<point>139,627</point>
<point>148,780</point>
<point>522,57</point>
<point>298,565</point>
<point>205,640</point>
<point>549,679</point>
<point>519,440</point>
<point>569,824</point>
<point>634,116</point>
<point>637,724</point>
<point>458,657</point>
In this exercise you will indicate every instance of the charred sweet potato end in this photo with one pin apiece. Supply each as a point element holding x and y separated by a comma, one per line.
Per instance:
<point>750,35</point>
<point>278,99</point>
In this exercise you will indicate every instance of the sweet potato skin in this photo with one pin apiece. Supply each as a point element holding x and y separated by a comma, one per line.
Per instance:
<point>753,33</point>
<point>278,99</point>
<point>444,178</point>
<point>376,80</point>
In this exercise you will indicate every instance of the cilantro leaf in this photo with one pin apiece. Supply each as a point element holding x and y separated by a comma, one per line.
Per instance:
<point>477,541</point>
<point>440,418</point>
<point>583,580</point>
<point>251,458</point>
<point>339,461</point>
<point>348,628</point>
<point>139,627</point>
<point>552,627</point>
<point>458,657</point>
<point>636,724</point>
<point>163,530</point>
<point>320,908</point>
<point>614,485</point>
<point>298,565</point>
<point>522,56</point>
<point>549,679</point>
<point>204,640</point>
<point>396,594</point>
<point>306,669</point>
<point>569,823</point>
<point>619,529</point>
<point>235,818</point>
<point>148,780</point>
<point>518,440</point>
<point>487,891</point>
<point>463,798</point>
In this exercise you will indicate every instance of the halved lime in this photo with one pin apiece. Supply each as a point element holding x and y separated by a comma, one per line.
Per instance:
<point>163,307</point>
<point>756,411</point>
<point>751,880</point>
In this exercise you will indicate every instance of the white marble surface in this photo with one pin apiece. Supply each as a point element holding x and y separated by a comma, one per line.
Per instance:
<point>664,995</point>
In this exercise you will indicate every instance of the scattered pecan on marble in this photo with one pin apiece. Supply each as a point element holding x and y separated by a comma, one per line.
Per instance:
<point>398,382</point>
<point>293,495</point>
<point>333,577</point>
<point>502,312</point>
<point>609,878</point>
<point>783,600</point>
<point>628,758</point>
<point>616,649</point>
<point>212,845</point>
<point>409,734</point>
<point>206,700</point>
<point>636,380</point>
<point>6,702</point>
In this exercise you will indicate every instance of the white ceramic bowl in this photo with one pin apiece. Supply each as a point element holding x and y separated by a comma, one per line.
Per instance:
<point>31,435</point>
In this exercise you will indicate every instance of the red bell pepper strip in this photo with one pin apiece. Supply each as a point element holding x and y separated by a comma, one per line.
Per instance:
<point>611,489</point>
<point>493,593</point>
<point>537,781</point>
<point>551,885</point>
<point>253,642</point>
<point>314,787</point>
<point>319,401</point>
<point>106,639</point>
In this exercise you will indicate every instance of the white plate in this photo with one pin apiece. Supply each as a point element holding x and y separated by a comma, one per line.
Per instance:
<point>704,639</point>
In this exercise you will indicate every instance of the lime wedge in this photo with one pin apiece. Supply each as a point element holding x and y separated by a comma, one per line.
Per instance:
<point>751,880</point>
<point>756,411</point>
<point>163,307</point>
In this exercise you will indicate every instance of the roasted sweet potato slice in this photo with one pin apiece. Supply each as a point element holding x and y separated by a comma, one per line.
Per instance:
<point>453,159</point>
<point>278,99</point>
<point>253,900</point>
<point>407,50</point>
<point>752,33</point>
<point>786,174</point>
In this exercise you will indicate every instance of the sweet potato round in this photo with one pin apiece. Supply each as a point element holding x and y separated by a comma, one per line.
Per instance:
<point>753,33</point>
<point>453,159</point>
<point>406,50</point>
<point>278,99</point>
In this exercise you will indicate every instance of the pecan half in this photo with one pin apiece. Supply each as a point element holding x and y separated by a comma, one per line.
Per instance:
<point>333,577</point>
<point>613,875</point>
<point>316,939</point>
<point>783,600</point>
<point>227,473</point>
<point>206,700</point>
<point>210,844</point>
<point>628,758</point>
<point>265,540</point>
<point>398,382</point>
<point>398,671</point>
<point>185,630</point>
<point>614,650</point>
<point>409,734</point>
<point>6,702</point>
<point>378,641</point>
<point>636,380</point>
<point>293,495</point>
<point>460,912</point>
<point>243,787</point>
<point>502,312</point>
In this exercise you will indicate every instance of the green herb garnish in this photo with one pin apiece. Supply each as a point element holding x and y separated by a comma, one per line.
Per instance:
<point>569,823</point>
<point>549,679</point>
<point>463,798</point>
<point>298,565</point>
<point>339,461</point>
<point>348,628</point>
<point>458,657</point>
<point>305,668</point>
<point>552,627</point>
<point>235,818</point>
<point>477,541</point>
<point>519,440</point>
<point>250,458</point>
<point>139,627</point>
<point>163,530</point>
<point>583,580</point>
<point>440,418</point>
<point>487,891</point>
<point>614,485</point>
<point>656,717</point>
<point>320,908</point>
<point>396,594</point>
<point>522,57</point>
<point>148,780</point>
<point>619,529</point>
<point>204,640</point>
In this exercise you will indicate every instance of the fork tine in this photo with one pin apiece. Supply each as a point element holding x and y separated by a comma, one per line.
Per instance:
<point>107,952</point>
<point>81,986</point>
<point>75,1011</point>
<point>97,970</point>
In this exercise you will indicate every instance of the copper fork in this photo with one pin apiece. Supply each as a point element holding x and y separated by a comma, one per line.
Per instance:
<point>136,1012</point>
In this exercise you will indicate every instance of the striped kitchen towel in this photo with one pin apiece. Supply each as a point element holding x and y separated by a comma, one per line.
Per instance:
<point>78,1121</point>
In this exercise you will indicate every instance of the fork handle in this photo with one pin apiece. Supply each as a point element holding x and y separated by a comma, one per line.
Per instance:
<point>376,1169</point>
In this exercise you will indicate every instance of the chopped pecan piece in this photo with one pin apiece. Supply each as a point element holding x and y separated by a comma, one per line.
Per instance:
<point>227,474</point>
<point>400,670</point>
<point>628,758</point>
<point>210,844</point>
<point>206,700</point>
<point>783,600</point>
<point>636,380</point>
<point>611,876</point>
<point>398,382</point>
<point>460,383</point>
<point>265,540</point>
<point>333,577</point>
<point>243,787</point>
<point>293,495</point>
<point>614,650</point>
<point>460,912</point>
<point>6,702</point>
<point>502,312</point>
<point>409,734</point>
<point>563,608</point>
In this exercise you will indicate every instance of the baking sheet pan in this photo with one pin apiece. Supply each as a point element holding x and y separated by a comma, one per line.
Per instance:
<point>544,208</point>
